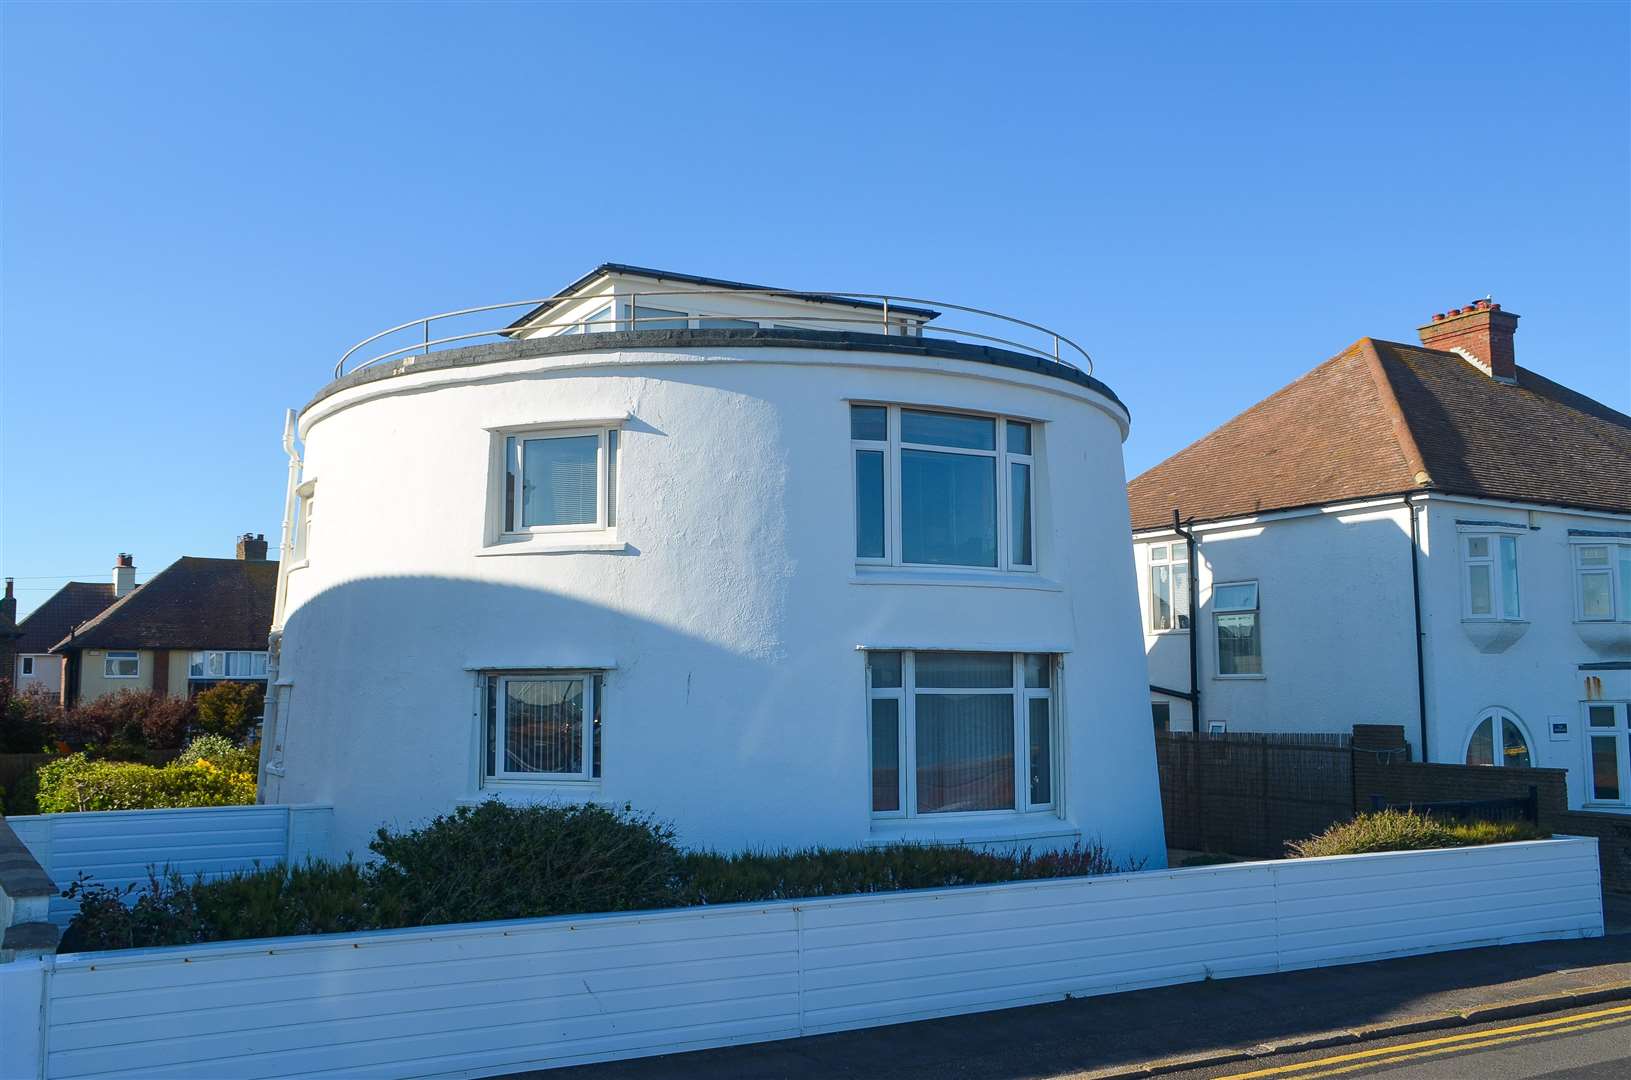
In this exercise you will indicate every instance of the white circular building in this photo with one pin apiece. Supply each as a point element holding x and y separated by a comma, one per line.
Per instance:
<point>787,569</point>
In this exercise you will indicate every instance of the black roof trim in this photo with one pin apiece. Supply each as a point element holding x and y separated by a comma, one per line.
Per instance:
<point>1605,533</point>
<point>1607,665</point>
<point>611,341</point>
<point>717,283</point>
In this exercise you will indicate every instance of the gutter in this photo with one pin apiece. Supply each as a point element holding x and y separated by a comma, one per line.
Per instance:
<point>1183,529</point>
<point>270,720</point>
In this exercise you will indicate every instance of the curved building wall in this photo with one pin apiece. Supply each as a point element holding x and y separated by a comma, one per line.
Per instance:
<point>727,610</point>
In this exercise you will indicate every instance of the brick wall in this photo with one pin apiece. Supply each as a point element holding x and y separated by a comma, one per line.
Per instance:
<point>1613,833</point>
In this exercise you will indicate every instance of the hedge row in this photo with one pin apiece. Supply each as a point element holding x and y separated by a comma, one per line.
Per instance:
<point>76,783</point>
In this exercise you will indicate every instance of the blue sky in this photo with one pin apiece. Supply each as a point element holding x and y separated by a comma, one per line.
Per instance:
<point>203,205</point>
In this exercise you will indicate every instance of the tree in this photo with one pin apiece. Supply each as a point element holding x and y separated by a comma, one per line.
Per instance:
<point>230,709</point>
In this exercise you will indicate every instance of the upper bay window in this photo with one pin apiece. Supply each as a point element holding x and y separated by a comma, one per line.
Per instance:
<point>1169,587</point>
<point>943,488</point>
<point>1602,581</point>
<point>960,732</point>
<point>227,664</point>
<point>560,480</point>
<point>1489,564</point>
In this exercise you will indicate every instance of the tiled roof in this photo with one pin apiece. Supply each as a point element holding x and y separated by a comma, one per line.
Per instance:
<point>191,604</point>
<point>1382,418</point>
<point>69,606</point>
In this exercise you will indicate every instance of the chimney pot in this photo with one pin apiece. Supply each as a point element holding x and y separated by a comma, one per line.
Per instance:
<point>1482,333</point>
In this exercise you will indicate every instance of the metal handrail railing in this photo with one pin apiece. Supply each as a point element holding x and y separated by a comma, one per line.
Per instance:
<point>631,322</point>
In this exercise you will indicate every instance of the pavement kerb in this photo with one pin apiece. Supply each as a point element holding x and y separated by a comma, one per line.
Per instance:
<point>1509,1010</point>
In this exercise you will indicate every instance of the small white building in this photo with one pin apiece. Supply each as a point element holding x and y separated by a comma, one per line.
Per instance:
<point>1421,535</point>
<point>786,569</point>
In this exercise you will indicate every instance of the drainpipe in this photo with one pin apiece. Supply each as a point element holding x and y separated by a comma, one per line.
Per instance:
<point>274,639</point>
<point>1183,530</point>
<point>1415,601</point>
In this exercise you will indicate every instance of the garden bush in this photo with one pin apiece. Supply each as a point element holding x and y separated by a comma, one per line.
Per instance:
<point>222,752</point>
<point>229,709</point>
<point>1402,830</point>
<point>28,719</point>
<point>496,861</point>
<point>130,725</point>
<point>77,783</point>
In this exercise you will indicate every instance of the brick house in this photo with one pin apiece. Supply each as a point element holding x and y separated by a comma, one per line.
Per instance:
<point>1427,535</point>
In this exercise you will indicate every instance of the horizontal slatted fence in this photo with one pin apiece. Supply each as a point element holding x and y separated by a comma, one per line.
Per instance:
<point>116,847</point>
<point>483,999</point>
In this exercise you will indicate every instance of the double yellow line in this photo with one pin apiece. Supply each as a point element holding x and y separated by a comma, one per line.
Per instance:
<point>1449,1044</point>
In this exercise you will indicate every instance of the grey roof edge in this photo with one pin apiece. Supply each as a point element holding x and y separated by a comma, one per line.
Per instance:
<point>632,340</point>
<point>718,283</point>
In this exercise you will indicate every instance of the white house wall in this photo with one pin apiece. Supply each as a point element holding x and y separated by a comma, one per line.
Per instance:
<point>734,704</point>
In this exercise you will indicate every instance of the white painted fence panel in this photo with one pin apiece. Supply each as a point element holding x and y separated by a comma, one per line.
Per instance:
<point>490,998</point>
<point>116,847</point>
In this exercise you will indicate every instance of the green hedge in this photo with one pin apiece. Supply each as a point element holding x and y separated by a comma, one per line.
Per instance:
<point>504,862</point>
<point>75,783</point>
<point>1401,830</point>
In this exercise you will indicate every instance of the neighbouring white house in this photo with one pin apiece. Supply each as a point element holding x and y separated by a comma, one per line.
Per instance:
<point>1428,535</point>
<point>784,568</point>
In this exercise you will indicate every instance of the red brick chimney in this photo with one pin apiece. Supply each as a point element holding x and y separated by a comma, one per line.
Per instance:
<point>1481,332</point>
<point>252,547</point>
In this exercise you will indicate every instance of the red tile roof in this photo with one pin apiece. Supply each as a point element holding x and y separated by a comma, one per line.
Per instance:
<point>1382,418</point>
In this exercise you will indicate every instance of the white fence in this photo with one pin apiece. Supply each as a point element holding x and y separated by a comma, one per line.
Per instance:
<point>117,846</point>
<point>482,999</point>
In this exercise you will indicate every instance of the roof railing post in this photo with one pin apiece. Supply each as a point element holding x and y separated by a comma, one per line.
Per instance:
<point>886,316</point>
<point>1056,348</point>
<point>634,311</point>
<point>427,338</point>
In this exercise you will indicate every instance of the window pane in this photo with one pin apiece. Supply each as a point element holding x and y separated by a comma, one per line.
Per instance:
<point>1605,768</point>
<point>1180,594</point>
<point>1041,753</point>
<point>653,318</point>
<point>611,477</point>
<point>869,422</point>
<point>1478,597</point>
<point>1235,597</point>
<point>1019,437</point>
<point>727,324</point>
<point>1161,597</point>
<point>1481,750</point>
<point>1158,553</point>
<point>1596,596</point>
<point>869,504</point>
<point>1037,670</point>
<point>1594,556</point>
<point>558,481</point>
<point>195,666</point>
<point>948,429</point>
<point>543,725</point>
<point>948,509</point>
<point>964,670</point>
<point>885,754</point>
<point>1509,577</point>
<point>1514,748</point>
<point>885,669</point>
<point>1162,713</point>
<point>1019,512</point>
<point>1477,547</point>
<point>599,320</point>
<point>1600,715</point>
<point>511,463</point>
<point>1239,651</point>
<point>594,733</point>
<point>492,727</point>
<point>965,752</point>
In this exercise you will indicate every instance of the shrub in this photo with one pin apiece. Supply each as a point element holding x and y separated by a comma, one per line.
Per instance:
<point>1401,830</point>
<point>28,720</point>
<point>76,783</point>
<point>221,752</point>
<point>229,709</point>
<point>497,861</point>
<point>128,725</point>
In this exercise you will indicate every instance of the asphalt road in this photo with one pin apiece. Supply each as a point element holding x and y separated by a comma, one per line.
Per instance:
<point>1580,1044</point>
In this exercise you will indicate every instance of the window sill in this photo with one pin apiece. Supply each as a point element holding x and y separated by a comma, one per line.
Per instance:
<point>1007,830</point>
<point>1494,635</point>
<point>595,543</point>
<point>992,579</point>
<point>525,791</point>
<point>1165,633</point>
<point>1241,678</point>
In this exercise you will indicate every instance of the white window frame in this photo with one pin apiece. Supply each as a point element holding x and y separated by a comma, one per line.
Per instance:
<point>509,477</point>
<point>1170,558</point>
<point>1255,610</point>
<point>108,660</point>
<point>891,448</point>
<point>28,665</point>
<point>306,499</point>
<point>906,734</point>
<point>591,323</point>
<point>200,659</point>
<point>1495,540</point>
<point>1619,584</point>
<point>1621,733</point>
<point>593,681</point>
<point>1495,714</point>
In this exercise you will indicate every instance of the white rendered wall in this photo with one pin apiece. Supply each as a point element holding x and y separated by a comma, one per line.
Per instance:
<point>735,701</point>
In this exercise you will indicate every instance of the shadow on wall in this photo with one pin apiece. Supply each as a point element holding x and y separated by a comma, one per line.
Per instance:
<point>711,719</point>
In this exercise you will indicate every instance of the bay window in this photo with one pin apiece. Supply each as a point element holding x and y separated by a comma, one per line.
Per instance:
<point>1489,567</point>
<point>961,732</point>
<point>1169,587</point>
<point>542,726</point>
<point>943,489</point>
<point>227,664</point>
<point>1608,753</point>
<point>1602,581</point>
<point>558,480</point>
<point>1240,637</point>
